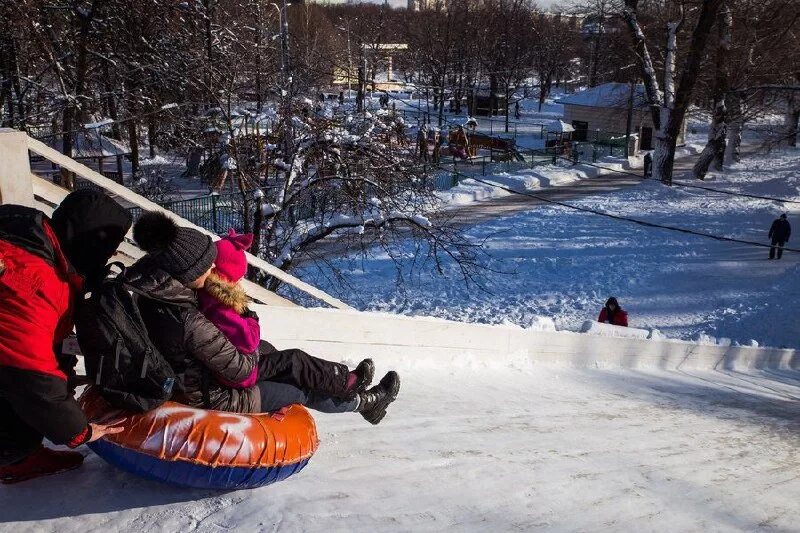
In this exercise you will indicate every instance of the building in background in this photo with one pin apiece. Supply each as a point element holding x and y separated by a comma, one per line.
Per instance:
<point>602,112</point>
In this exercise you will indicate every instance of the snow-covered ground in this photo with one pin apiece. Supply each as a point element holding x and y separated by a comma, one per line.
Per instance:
<point>518,445</point>
<point>496,185</point>
<point>492,448</point>
<point>564,264</point>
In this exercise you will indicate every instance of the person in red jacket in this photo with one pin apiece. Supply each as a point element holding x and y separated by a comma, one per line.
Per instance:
<point>612,313</point>
<point>44,265</point>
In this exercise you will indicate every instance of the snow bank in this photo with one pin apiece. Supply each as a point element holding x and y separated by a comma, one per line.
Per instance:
<point>593,327</point>
<point>542,323</point>
<point>541,177</point>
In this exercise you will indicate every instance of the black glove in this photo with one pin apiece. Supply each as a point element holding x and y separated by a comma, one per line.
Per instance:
<point>249,313</point>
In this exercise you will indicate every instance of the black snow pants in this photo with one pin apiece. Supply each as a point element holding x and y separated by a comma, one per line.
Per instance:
<point>292,376</point>
<point>33,406</point>
<point>776,245</point>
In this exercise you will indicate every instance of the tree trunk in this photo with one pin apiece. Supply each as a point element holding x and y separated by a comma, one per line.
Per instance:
<point>111,103</point>
<point>67,178</point>
<point>714,150</point>
<point>258,223</point>
<point>792,130</point>
<point>595,61</point>
<point>670,117</point>
<point>492,92</point>
<point>151,135</point>
<point>360,94</point>
<point>791,119</point>
<point>664,159</point>
<point>133,139</point>
<point>734,126</point>
<point>508,97</point>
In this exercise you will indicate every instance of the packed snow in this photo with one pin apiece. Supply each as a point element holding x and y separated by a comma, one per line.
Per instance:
<point>497,447</point>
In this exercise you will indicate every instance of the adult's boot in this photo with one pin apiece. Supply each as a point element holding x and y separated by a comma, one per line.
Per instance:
<point>375,400</point>
<point>42,462</point>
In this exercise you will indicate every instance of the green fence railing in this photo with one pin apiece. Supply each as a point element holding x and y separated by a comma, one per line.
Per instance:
<point>215,213</point>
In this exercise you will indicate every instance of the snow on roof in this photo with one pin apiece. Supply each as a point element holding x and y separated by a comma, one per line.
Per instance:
<point>91,144</point>
<point>559,126</point>
<point>606,95</point>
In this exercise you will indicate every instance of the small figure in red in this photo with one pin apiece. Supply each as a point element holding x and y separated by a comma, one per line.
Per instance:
<point>612,313</point>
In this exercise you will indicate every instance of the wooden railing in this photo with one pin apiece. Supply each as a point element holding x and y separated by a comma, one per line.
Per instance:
<point>17,186</point>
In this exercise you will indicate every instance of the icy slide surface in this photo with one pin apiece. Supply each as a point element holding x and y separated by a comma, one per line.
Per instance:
<point>494,449</point>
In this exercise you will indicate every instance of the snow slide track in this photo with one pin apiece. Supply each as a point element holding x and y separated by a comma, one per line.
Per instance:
<point>425,341</point>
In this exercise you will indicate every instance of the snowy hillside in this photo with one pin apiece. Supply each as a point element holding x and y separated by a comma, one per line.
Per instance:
<point>492,448</point>
<point>563,264</point>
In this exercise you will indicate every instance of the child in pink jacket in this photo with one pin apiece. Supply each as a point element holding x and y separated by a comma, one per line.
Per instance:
<point>224,302</point>
<point>319,384</point>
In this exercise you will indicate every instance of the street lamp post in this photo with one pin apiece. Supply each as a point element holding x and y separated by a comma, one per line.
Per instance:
<point>349,60</point>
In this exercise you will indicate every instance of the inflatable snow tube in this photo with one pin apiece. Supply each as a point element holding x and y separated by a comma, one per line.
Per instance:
<point>189,447</point>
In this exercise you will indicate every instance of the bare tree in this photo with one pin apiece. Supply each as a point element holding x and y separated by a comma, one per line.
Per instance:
<point>669,106</point>
<point>715,148</point>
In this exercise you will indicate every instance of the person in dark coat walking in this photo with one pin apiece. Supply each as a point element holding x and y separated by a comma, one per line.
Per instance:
<point>612,313</point>
<point>779,232</point>
<point>44,266</point>
<point>207,364</point>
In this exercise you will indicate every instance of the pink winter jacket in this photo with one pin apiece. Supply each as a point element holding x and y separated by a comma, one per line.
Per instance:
<point>243,332</point>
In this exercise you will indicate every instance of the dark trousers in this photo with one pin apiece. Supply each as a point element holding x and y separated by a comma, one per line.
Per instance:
<point>776,245</point>
<point>33,405</point>
<point>17,438</point>
<point>293,376</point>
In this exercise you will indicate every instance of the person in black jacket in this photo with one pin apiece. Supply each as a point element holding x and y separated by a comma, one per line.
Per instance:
<point>178,262</point>
<point>779,232</point>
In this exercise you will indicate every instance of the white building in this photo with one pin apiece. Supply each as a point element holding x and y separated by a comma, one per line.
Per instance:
<point>603,111</point>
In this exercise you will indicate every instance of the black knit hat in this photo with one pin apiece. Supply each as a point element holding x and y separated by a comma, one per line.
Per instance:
<point>183,253</point>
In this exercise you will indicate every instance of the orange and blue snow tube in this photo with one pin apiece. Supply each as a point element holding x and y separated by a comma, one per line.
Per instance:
<point>190,447</point>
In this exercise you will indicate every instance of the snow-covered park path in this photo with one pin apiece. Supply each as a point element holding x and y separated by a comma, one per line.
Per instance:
<point>498,448</point>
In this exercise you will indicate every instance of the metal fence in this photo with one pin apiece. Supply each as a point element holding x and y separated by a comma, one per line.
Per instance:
<point>215,213</point>
<point>219,212</point>
<point>495,126</point>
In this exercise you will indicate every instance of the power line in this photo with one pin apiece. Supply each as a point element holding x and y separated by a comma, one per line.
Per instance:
<point>619,217</point>
<point>690,185</point>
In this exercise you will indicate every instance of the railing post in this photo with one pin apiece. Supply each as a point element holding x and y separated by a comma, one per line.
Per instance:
<point>15,168</point>
<point>214,213</point>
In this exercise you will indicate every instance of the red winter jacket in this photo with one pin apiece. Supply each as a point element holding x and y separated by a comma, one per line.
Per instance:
<point>620,318</point>
<point>36,310</point>
<point>37,290</point>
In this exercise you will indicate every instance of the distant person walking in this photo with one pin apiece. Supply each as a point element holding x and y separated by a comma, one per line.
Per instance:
<point>779,232</point>
<point>613,314</point>
<point>422,142</point>
<point>648,165</point>
<point>438,140</point>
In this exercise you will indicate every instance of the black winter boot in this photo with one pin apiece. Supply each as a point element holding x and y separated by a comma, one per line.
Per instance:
<point>364,373</point>
<point>375,400</point>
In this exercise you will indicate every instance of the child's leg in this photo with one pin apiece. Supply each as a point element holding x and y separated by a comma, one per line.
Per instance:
<point>295,367</point>
<point>276,395</point>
